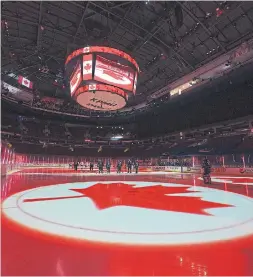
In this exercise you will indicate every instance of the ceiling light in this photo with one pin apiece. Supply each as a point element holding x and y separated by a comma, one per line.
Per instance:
<point>117,137</point>
<point>219,12</point>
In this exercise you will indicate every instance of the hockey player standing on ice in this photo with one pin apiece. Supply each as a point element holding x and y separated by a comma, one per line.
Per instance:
<point>119,165</point>
<point>91,166</point>
<point>136,166</point>
<point>108,166</point>
<point>129,166</point>
<point>206,165</point>
<point>75,165</point>
<point>100,166</point>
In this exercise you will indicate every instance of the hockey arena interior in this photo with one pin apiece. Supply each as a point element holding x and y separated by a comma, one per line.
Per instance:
<point>126,138</point>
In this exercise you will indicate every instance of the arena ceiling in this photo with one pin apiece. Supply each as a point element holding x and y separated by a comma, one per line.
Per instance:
<point>167,39</point>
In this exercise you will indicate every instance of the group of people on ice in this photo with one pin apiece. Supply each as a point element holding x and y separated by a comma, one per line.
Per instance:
<point>131,166</point>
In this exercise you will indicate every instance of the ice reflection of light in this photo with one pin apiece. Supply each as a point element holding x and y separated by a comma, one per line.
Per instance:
<point>195,268</point>
<point>59,268</point>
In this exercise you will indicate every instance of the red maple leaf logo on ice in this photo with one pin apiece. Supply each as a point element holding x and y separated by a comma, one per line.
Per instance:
<point>157,197</point>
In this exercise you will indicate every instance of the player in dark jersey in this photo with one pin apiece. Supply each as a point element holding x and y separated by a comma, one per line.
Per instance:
<point>100,167</point>
<point>129,166</point>
<point>91,166</point>
<point>206,165</point>
<point>75,166</point>
<point>136,166</point>
<point>119,166</point>
<point>108,166</point>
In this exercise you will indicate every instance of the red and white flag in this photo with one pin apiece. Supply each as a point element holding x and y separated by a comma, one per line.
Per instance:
<point>87,67</point>
<point>86,49</point>
<point>25,82</point>
<point>92,87</point>
<point>75,78</point>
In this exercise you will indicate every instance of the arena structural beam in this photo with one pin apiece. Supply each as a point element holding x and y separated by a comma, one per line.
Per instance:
<point>147,32</point>
<point>39,27</point>
<point>81,21</point>
<point>202,25</point>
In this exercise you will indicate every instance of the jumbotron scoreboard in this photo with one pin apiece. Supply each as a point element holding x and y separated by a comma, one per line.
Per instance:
<point>101,78</point>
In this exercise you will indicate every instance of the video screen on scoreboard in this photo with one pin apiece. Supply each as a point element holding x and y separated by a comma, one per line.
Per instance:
<point>75,78</point>
<point>113,73</point>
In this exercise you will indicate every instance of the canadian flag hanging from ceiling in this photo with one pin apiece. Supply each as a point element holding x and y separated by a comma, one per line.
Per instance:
<point>87,67</point>
<point>25,82</point>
